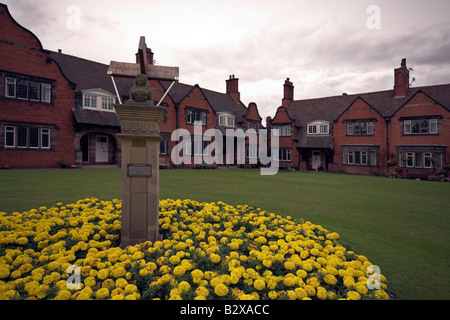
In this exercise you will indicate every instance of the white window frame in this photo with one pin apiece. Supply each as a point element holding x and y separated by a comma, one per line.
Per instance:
<point>319,128</point>
<point>45,132</point>
<point>8,83</point>
<point>433,126</point>
<point>407,127</point>
<point>46,92</point>
<point>8,131</point>
<point>226,120</point>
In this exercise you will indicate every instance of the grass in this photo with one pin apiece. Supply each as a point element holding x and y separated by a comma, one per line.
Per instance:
<point>400,225</point>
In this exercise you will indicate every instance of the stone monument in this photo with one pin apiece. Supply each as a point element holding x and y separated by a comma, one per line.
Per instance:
<point>140,122</point>
<point>140,137</point>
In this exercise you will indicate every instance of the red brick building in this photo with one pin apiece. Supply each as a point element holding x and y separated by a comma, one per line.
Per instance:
<point>36,101</point>
<point>54,106</point>
<point>399,132</point>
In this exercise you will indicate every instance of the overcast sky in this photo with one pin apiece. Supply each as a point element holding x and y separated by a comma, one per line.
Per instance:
<point>325,47</point>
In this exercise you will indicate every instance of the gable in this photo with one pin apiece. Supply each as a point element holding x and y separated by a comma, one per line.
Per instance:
<point>358,109</point>
<point>282,116</point>
<point>421,104</point>
<point>12,32</point>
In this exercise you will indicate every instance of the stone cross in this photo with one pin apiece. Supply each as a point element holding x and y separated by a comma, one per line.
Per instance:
<point>140,122</point>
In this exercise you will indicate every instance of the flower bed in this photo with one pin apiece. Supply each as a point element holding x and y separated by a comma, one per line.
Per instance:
<point>209,251</point>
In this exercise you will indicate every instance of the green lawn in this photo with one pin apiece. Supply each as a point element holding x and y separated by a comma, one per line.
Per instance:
<point>400,225</point>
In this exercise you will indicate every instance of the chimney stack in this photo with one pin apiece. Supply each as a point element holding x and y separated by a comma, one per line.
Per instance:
<point>401,80</point>
<point>233,88</point>
<point>288,93</point>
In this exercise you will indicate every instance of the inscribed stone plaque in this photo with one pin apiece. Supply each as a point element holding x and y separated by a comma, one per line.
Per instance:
<point>139,170</point>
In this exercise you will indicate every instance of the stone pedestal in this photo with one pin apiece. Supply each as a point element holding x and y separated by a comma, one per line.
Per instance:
<point>140,137</point>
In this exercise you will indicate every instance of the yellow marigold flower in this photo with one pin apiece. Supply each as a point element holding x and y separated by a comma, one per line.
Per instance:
<point>102,293</point>
<point>215,258</point>
<point>289,265</point>
<point>183,287</point>
<point>174,259</point>
<point>118,297</point>
<point>119,272</point>
<point>272,295</point>
<point>349,281</point>
<point>221,290</point>
<point>362,288</point>
<point>179,270</point>
<point>289,281</point>
<point>130,288</point>
<point>63,295</point>
<point>307,266</point>
<point>259,284</point>
<point>89,281</point>
<point>353,295</point>
<point>321,293</point>
<point>301,293</point>
<point>202,291</point>
<point>310,290</point>
<point>103,274</point>
<point>330,279</point>
<point>197,273</point>
<point>108,283</point>
<point>22,241</point>
<point>121,283</point>
<point>292,295</point>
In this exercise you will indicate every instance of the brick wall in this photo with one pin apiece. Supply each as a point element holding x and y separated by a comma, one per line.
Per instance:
<point>359,111</point>
<point>21,57</point>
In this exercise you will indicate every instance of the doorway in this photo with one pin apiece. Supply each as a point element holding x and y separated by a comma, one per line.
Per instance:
<point>316,161</point>
<point>101,149</point>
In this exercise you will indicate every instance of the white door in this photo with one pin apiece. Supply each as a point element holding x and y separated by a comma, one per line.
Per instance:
<point>315,160</point>
<point>101,149</point>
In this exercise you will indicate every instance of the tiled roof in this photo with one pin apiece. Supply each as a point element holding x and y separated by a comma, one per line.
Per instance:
<point>384,102</point>
<point>219,101</point>
<point>96,118</point>
<point>88,74</point>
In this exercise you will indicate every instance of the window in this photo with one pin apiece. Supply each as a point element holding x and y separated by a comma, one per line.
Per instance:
<point>226,120</point>
<point>35,91</point>
<point>45,138</point>
<point>27,137</point>
<point>283,130</point>
<point>33,137</point>
<point>252,152</point>
<point>107,103</point>
<point>90,101</point>
<point>10,137</point>
<point>320,127</point>
<point>360,128</point>
<point>359,157</point>
<point>420,160</point>
<point>46,92</point>
<point>284,154</point>
<point>420,126</point>
<point>24,89</point>
<point>10,88</point>
<point>163,146</point>
<point>193,116</point>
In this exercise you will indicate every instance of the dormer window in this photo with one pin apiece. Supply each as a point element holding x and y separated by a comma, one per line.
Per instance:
<point>226,120</point>
<point>318,127</point>
<point>98,99</point>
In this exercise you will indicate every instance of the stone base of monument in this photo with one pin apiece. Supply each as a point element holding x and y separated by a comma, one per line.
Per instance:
<point>140,138</point>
